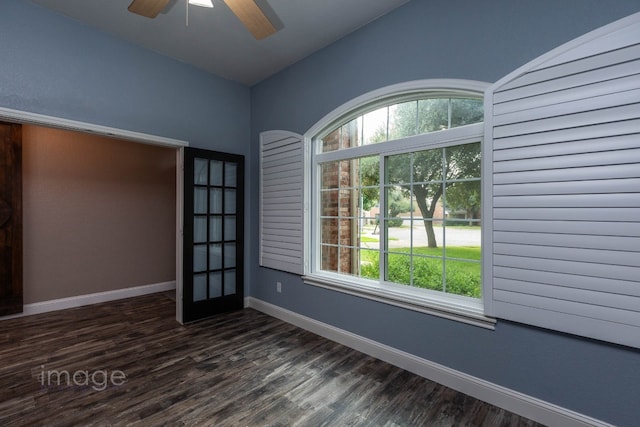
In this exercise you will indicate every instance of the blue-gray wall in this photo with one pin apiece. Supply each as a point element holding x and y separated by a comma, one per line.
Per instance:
<point>56,66</point>
<point>467,39</point>
<point>53,65</point>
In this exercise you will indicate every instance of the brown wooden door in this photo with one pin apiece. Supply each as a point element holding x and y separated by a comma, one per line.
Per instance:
<point>10,218</point>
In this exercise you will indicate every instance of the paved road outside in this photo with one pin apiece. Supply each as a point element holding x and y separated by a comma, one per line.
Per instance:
<point>401,236</point>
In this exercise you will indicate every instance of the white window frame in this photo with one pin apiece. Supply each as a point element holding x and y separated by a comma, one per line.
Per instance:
<point>464,309</point>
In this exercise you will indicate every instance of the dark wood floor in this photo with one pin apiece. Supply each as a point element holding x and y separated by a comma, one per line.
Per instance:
<point>238,369</point>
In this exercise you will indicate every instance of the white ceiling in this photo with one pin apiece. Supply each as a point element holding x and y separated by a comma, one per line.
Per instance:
<point>216,41</point>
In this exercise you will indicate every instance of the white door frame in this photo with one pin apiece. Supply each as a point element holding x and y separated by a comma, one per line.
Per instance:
<point>24,117</point>
<point>179,230</point>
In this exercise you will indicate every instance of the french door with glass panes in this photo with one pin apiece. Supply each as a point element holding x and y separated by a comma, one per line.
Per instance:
<point>213,233</point>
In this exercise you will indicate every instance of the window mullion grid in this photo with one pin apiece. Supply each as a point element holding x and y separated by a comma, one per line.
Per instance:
<point>382,254</point>
<point>339,216</point>
<point>388,114</point>
<point>316,224</point>
<point>360,219</point>
<point>417,124</point>
<point>444,215</point>
<point>383,150</point>
<point>411,258</point>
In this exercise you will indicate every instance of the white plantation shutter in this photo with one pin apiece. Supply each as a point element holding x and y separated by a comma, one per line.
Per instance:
<point>281,201</point>
<point>563,149</point>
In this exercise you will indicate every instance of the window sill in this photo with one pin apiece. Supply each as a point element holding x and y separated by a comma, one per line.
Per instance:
<point>453,307</point>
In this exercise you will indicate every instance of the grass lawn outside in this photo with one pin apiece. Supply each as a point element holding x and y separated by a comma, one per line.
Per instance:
<point>368,239</point>
<point>463,270</point>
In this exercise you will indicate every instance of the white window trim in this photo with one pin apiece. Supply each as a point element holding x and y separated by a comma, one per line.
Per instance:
<point>454,307</point>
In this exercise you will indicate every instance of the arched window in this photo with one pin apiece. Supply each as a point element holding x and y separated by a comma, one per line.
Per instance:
<point>395,195</point>
<point>383,205</point>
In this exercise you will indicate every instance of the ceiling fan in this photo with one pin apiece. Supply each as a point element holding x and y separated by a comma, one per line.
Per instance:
<point>247,11</point>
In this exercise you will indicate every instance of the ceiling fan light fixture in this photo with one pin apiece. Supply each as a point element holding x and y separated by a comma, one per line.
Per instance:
<point>201,3</point>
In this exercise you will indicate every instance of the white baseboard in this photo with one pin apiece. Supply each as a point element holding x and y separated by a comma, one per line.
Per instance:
<point>88,299</point>
<point>511,400</point>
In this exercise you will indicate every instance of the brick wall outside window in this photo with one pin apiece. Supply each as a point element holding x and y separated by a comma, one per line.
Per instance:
<point>337,203</point>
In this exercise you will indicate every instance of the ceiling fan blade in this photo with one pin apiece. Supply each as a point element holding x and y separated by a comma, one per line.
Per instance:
<point>252,17</point>
<point>148,8</point>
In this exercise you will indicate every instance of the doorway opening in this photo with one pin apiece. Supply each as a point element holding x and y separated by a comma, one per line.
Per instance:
<point>101,214</point>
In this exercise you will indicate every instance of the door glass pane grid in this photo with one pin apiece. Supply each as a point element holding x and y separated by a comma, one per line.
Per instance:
<point>216,200</point>
<point>215,225</point>
<point>200,171</point>
<point>215,228</point>
<point>213,278</point>
<point>199,287</point>
<point>201,229</point>
<point>215,284</point>
<point>229,282</point>
<point>203,175</point>
<point>199,258</point>
<point>230,203</point>
<point>215,176</point>
<point>230,174</point>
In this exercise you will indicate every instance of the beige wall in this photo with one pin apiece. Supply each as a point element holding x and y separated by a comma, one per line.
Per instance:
<point>99,214</point>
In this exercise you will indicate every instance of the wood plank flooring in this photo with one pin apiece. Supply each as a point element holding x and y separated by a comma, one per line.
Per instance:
<point>238,369</point>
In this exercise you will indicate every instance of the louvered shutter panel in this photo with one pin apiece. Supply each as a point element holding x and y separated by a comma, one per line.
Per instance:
<point>281,201</point>
<point>563,149</point>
